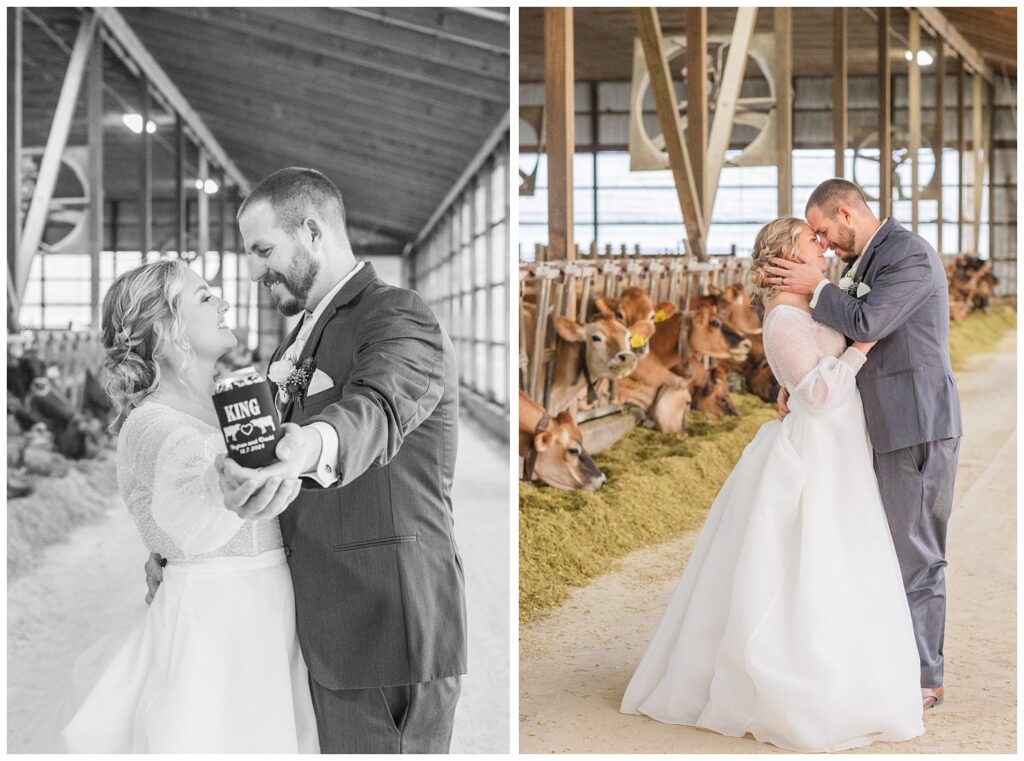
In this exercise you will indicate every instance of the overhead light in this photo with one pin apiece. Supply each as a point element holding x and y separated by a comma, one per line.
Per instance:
<point>199,184</point>
<point>134,123</point>
<point>211,187</point>
<point>924,58</point>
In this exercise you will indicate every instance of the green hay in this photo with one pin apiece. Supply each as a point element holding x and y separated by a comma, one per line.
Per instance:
<point>659,486</point>
<point>981,333</point>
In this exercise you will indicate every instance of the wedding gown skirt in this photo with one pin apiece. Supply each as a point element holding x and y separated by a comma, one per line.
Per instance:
<point>790,621</point>
<point>213,667</point>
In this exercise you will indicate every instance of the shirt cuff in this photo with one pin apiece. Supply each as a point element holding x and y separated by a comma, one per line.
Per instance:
<point>326,472</point>
<point>817,292</point>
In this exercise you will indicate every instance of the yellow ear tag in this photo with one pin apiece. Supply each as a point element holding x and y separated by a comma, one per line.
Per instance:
<point>637,341</point>
<point>660,316</point>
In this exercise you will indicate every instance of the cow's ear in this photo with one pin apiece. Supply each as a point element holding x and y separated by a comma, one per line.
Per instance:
<point>543,440</point>
<point>643,328</point>
<point>565,418</point>
<point>606,306</point>
<point>664,310</point>
<point>714,290</point>
<point>570,330</point>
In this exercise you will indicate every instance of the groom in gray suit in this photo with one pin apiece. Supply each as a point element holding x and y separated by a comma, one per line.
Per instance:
<point>371,428</point>
<point>894,291</point>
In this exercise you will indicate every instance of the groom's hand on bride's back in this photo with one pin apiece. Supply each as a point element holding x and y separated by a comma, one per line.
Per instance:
<point>783,399</point>
<point>154,574</point>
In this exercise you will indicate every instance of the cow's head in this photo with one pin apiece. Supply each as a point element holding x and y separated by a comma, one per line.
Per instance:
<point>634,305</point>
<point>737,312</point>
<point>713,396</point>
<point>607,343</point>
<point>670,405</point>
<point>761,381</point>
<point>562,461</point>
<point>709,337</point>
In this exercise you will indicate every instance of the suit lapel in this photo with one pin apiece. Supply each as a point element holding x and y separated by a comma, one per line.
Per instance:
<point>349,291</point>
<point>883,232</point>
<point>279,352</point>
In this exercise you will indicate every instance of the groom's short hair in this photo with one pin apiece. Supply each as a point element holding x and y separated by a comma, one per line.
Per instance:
<point>293,193</point>
<point>831,194</point>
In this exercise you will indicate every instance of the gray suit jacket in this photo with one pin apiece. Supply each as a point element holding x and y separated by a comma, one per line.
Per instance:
<point>379,589</point>
<point>907,383</point>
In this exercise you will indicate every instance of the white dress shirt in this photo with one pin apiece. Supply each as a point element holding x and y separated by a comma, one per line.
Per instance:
<point>826,281</point>
<point>326,472</point>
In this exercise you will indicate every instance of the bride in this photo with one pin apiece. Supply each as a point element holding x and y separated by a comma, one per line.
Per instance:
<point>214,665</point>
<point>790,622</point>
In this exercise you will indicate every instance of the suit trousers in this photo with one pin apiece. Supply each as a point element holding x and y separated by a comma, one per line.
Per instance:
<point>408,718</point>
<point>916,485</point>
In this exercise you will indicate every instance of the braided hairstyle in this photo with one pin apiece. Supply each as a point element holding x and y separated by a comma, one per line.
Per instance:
<point>141,321</point>
<point>778,238</point>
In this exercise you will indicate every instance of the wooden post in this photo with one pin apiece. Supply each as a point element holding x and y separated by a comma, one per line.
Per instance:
<point>978,179</point>
<point>49,168</point>
<point>940,129</point>
<point>990,152</point>
<point>840,90</point>
<point>649,28</point>
<point>94,129</point>
<point>961,148</point>
<point>15,83</point>
<point>697,100</point>
<point>914,115</point>
<point>203,215</point>
<point>729,93</point>
<point>884,115</point>
<point>146,171</point>
<point>784,108</point>
<point>559,79</point>
<point>179,182</point>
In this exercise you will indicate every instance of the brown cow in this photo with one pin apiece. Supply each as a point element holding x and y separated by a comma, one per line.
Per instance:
<point>587,352</point>
<point>633,305</point>
<point>663,396</point>
<point>713,395</point>
<point>552,449</point>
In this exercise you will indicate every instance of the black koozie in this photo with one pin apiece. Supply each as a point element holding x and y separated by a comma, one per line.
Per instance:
<point>249,422</point>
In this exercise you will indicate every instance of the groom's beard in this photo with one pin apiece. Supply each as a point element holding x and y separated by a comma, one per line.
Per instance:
<point>846,248</point>
<point>297,281</point>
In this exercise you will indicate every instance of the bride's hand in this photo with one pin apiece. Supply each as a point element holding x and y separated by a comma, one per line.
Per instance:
<point>255,494</point>
<point>783,398</point>
<point>863,347</point>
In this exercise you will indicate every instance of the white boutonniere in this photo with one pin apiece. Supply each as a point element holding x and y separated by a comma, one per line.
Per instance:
<point>854,285</point>
<point>291,381</point>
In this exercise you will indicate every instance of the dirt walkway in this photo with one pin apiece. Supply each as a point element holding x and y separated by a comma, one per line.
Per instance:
<point>575,664</point>
<point>81,588</point>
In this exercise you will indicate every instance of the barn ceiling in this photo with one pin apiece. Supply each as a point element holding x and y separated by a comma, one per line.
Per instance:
<point>604,38</point>
<point>391,103</point>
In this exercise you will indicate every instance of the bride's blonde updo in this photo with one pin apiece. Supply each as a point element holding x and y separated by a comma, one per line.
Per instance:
<point>141,320</point>
<point>779,238</point>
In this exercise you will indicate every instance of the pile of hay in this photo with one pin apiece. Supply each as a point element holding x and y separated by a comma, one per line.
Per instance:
<point>658,486</point>
<point>981,333</point>
<point>84,493</point>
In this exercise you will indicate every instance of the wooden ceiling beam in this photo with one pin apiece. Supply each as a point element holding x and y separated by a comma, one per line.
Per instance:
<point>397,41</point>
<point>940,26</point>
<point>445,24</point>
<point>288,46</point>
<point>252,67</point>
<point>122,33</point>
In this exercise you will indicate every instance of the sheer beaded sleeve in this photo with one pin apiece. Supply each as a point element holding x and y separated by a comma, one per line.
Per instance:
<point>187,501</point>
<point>811,375</point>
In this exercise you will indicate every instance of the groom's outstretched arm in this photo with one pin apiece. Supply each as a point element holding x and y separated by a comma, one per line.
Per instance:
<point>397,381</point>
<point>896,292</point>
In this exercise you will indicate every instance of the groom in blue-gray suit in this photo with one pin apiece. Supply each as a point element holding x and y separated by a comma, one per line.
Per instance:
<point>894,291</point>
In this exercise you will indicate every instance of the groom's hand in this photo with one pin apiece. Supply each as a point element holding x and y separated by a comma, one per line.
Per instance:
<point>783,399</point>
<point>154,575</point>
<point>255,494</point>
<point>794,277</point>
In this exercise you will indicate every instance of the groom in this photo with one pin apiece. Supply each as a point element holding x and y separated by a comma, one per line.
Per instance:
<point>372,428</point>
<point>894,291</point>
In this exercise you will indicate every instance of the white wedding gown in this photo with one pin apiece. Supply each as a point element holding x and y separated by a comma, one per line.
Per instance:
<point>214,665</point>
<point>790,621</point>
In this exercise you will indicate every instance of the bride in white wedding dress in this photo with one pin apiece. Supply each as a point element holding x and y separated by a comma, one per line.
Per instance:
<point>790,621</point>
<point>214,665</point>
